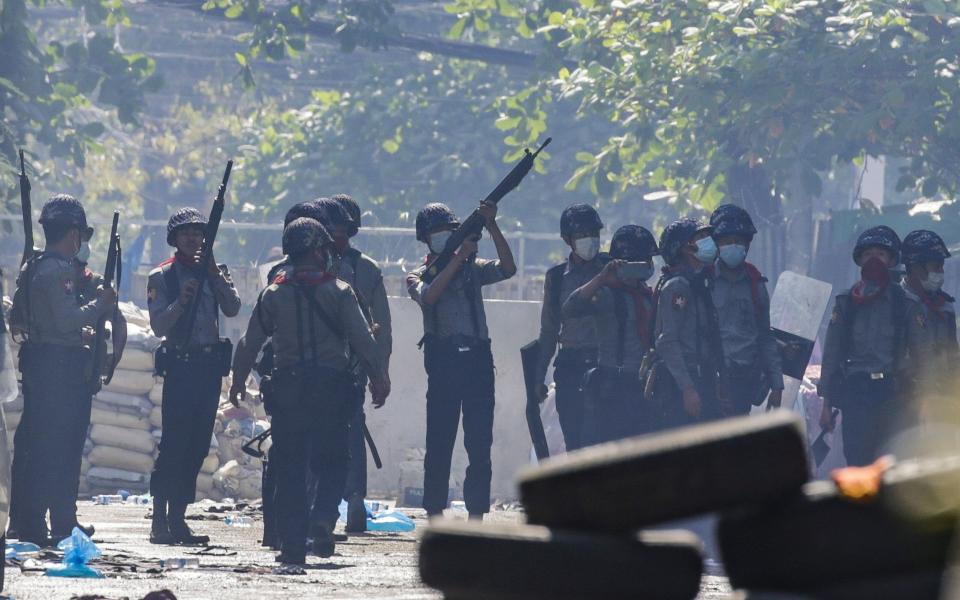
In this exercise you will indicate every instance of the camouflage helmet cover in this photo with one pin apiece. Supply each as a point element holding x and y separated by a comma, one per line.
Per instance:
<point>923,245</point>
<point>579,219</point>
<point>633,242</point>
<point>730,219</point>
<point>880,236</point>
<point>432,216</point>
<point>353,211</point>
<point>183,218</point>
<point>64,208</point>
<point>678,234</point>
<point>302,235</point>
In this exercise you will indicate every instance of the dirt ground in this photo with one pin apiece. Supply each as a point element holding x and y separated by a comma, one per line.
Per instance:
<point>373,565</point>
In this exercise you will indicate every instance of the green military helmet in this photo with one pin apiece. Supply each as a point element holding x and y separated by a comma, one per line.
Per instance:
<point>65,209</point>
<point>304,235</point>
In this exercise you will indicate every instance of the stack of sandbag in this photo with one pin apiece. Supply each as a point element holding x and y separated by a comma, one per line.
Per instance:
<point>589,509</point>
<point>238,475</point>
<point>121,444</point>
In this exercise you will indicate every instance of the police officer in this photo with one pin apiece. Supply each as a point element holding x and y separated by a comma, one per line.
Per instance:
<point>864,350</point>
<point>688,348</point>
<point>580,227</point>
<point>752,362</point>
<point>364,276</point>
<point>315,322</point>
<point>193,364</point>
<point>457,356</point>
<point>621,304</point>
<point>931,325</point>
<point>58,385</point>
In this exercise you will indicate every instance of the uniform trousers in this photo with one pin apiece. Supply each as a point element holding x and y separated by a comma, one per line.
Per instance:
<point>310,430</point>
<point>872,413</point>
<point>569,370</point>
<point>615,408</point>
<point>191,395</point>
<point>460,381</point>
<point>56,381</point>
<point>357,469</point>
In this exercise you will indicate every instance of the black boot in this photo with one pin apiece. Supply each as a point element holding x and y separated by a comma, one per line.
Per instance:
<point>88,530</point>
<point>159,529</point>
<point>323,542</point>
<point>356,514</point>
<point>178,527</point>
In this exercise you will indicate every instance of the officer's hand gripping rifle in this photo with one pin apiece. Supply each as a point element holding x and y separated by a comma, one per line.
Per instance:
<point>206,251</point>
<point>25,210</point>
<point>473,225</point>
<point>99,342</point>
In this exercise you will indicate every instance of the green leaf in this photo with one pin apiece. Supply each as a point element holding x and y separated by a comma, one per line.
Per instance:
<point>234,11</point>
<point>241,58</point>
<point>391,146</point>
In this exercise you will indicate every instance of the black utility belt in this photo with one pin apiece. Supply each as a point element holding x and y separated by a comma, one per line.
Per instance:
<point>218,355</point>
<point>459,343</point>
<point>581,356</point>
<point>626,373</point>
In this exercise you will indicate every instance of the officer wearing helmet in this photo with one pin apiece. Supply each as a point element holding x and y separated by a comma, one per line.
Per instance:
<point>688,351</point>
<point>364,276</point>
<point>932,350</point>
<point>865,349</point>
<point>315,324</point>
<point>456,345</point>
<point>752,362</point>
<point>55,362</point>
<point>193,364</point>
<point>621,306</point>
<point>580,227</point>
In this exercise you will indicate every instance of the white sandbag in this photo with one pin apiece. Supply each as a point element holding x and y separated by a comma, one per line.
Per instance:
<point>106,416</point>
<point>137,440</point>
<point>250,488</point>
<point>13,419</point>
<point>135,359</point>
<point>123,402</point>
<point>84,465</point>
<point>83,488</point>
<point>135,383</point>
<point>156,417</point>
<point>98,475</point>
<point>15,405</point>
<point>120,458</point>
<point>156,392</point>
<point>204,483</point>
<point>134,315</point>
<point>210,464</point>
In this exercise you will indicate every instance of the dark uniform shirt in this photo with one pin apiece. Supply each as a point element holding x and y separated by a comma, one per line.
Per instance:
<point>610,327</point>
<point>57,315</point>
<point>367,283</point>
<point>452,313</point>
<point>932,351</point>
<point>555,327</point>
<point>166,310</point>
<point>864,342</point>
<point>275,317</point>
<point>682,329</point>
<point>745,323</point>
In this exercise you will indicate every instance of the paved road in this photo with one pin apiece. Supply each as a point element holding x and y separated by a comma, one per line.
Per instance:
<point>376,565</point>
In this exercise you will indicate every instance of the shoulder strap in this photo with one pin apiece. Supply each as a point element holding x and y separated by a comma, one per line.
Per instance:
<point>756,278</point>
<point>170,279</point>
<point>555,286</point>
<point>620,310</point>
<point>318,310</point>
<point>353,257</point>
<point>470,290</point>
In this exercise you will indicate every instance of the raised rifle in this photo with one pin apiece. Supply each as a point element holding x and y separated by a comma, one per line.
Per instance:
<point>473,225</point>
<point>25,210</point>
<point>112,267</point>
<point>206,251</point>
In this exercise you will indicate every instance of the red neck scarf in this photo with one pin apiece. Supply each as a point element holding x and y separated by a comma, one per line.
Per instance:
<point>934,301</point>
<point>308,277</point>
<point>874,280</point>
<point>640,296</point>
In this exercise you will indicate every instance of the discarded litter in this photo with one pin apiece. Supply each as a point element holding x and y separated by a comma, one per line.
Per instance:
<point>171,564</point>
<point>78,550</point>
<point>390,521</point>
<point>240,521</point>
<point>459,506</point>
<point>17,550</point>
<point>108,499</point>
<point>140,500</point>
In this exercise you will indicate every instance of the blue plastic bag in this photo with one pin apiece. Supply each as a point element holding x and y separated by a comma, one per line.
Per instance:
<point>392,522</point>
<point>78,549</point>
<point>20,550</point>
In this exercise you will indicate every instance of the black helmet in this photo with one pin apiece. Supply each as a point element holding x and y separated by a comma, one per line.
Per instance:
<point>923,245</point>
<point>64,208</point>
<point>730,219</point>
<point>632,242</point>
<point>433,216</point>
<point>881,236</point>
<point>302,235</point>
<point>678,234</point>
<point>579,219</point>
<point>182,218</point>
<point>325,210</point>
<point>353,211</point>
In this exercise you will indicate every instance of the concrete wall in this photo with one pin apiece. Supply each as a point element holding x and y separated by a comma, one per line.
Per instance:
<point>399,428</point>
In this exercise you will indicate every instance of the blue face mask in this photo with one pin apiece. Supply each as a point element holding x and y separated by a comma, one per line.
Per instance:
<point>733,255</point>
<point>706,250</point>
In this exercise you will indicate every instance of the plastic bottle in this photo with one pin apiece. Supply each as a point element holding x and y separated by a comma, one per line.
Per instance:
<point>239,521</point>
<point>141,500</point>
<point>108,499</point>
<point>171,564</point>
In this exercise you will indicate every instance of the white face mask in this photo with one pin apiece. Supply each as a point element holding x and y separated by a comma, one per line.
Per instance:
<point>587,247</point>
<point>438,241</point>
<point>933,282</point>
<point>706,250</point>
<point>83,254</point>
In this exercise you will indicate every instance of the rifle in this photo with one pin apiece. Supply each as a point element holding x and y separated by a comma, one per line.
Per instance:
<point>99,345</point>
<point>206,251</point>
<point>26,211</point>
<point>473,225</point>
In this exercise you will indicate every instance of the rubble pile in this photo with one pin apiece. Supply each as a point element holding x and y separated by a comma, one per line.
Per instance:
<point>886,529</point>
<point>126,423</point>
